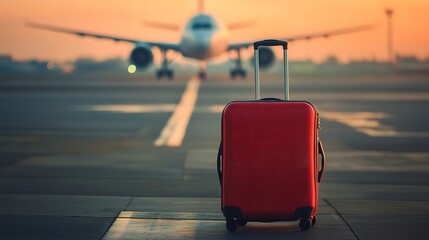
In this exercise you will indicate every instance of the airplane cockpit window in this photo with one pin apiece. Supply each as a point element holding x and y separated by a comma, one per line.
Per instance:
<point>199,26</point>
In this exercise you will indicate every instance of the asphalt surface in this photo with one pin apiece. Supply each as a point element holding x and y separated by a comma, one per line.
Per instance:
<point>78,158</point>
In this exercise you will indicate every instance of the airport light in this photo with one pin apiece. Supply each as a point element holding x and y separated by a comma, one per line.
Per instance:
<point>389,13</point>
<point>50,65</point>
<point>132,68</point>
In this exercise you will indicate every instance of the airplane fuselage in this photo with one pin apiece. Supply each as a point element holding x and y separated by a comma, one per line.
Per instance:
<point>204,37</point>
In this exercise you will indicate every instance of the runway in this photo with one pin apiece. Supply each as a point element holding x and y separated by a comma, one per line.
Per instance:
<point>116,151</point>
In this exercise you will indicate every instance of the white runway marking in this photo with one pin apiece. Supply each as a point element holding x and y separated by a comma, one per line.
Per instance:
<point>210,109</point>
<point>369,124</point>
<point>130,108</point>
<point>367,96</point>
<point>379,161</point>
<point>146,108</point>
<point>173,133</point>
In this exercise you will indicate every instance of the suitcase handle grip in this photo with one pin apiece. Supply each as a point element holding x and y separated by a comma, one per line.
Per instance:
<point>270,43</point>
<point>271,99</point>
<point>322,153</point>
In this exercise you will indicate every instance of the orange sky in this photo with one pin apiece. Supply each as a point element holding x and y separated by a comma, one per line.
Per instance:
<point>274,18</point>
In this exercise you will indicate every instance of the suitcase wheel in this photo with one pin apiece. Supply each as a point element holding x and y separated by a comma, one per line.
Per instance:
<point>313,221</point>
<point>305,224</point>
<point>241,222</point>
<point>231,225</point>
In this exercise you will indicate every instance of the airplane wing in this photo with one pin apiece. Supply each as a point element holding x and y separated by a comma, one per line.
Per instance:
<point>236,46</point>
<point>239,25</point>
<point>166,26</point>
<point>161,45</point>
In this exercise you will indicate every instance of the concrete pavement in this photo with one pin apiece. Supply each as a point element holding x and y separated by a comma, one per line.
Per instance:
<point>72,166</point>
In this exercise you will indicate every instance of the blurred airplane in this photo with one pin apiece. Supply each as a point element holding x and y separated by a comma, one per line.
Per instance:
<point>203,37</point>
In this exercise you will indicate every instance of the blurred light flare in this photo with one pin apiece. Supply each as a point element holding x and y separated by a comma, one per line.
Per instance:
<point>132,68</point>
<point>50,65</point>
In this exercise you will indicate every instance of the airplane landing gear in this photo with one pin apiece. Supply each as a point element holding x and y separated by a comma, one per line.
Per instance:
<point>202,74</point>
<point>238,70</point>
<point>164,70</point>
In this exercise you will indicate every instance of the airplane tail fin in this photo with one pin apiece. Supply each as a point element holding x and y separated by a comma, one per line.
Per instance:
<point>200,5</point>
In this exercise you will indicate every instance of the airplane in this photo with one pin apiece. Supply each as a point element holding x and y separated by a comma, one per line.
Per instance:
<point>203,37</point>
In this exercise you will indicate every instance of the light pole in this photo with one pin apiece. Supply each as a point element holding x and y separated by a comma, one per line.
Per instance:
<point>389,13</point>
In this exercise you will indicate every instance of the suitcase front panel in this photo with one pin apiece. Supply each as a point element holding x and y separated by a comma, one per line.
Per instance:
<point>269,158</point>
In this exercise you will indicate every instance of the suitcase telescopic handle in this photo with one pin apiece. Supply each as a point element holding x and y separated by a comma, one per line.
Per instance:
<point>270,43</point>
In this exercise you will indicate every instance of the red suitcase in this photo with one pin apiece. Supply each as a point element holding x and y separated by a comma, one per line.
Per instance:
<point>268,159</point>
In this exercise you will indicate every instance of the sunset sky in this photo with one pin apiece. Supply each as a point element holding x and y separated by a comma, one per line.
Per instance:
<point>273,18</point>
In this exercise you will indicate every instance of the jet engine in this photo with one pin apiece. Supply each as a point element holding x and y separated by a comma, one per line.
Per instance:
<point>141,56</point>
<point>266,57</point>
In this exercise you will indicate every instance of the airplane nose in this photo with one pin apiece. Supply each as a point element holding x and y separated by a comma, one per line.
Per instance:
<point>202,43</point>
<point>198,45</point>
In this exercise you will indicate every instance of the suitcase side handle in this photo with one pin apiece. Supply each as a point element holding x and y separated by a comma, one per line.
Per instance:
<point>219,163</point>
<point>322,153</point>
<point>271,42</point>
